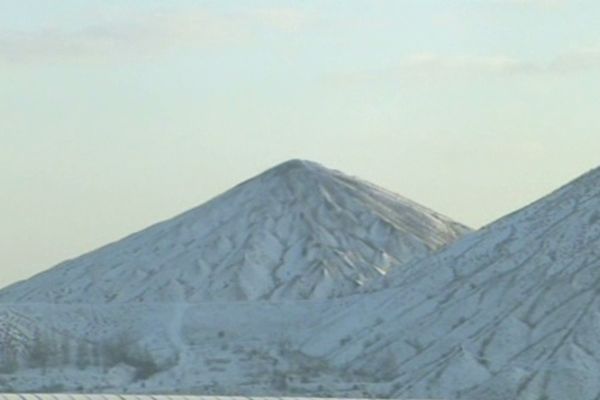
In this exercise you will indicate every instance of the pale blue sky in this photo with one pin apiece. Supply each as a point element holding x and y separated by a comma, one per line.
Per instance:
<point>117,114</point>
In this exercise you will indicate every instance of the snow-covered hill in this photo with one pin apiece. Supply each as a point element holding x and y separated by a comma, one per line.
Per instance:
<point>508,312</point>
<point>297,231</point>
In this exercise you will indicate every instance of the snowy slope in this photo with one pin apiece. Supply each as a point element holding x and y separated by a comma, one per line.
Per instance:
<point>70,396</point>
<point>297,231</point>
<point>511,312</point>
<point>508,312</point>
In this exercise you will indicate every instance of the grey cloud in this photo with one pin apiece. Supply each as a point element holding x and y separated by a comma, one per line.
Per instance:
<point>430,65</point>
<point>436,64</point>
<point>576,61</point>
<point>144,34</point>
<point>535,3</point>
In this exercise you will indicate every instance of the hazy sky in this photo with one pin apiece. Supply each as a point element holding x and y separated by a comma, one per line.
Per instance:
<point>118,114</point>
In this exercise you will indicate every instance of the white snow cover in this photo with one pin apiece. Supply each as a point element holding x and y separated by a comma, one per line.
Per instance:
<point>297,231</point>
<point>69,396</point>
<point>508,312</point>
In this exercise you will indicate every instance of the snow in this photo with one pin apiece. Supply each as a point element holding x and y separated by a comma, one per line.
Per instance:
<point>70,396</point>
<point>508,312</point>
<point>297,231</point>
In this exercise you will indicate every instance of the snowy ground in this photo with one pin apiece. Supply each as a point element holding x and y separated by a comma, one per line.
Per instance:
<point>147,397</point>
<point>509,312</point>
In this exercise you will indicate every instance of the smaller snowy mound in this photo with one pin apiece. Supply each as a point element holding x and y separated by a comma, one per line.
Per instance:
<point>297,231</point>
<point>509,312</point>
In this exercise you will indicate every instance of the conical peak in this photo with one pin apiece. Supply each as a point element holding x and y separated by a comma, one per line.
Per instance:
<point>290,172</point>
<point>301,174</point>
<point>290,218</point>
<point>297,165</point>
